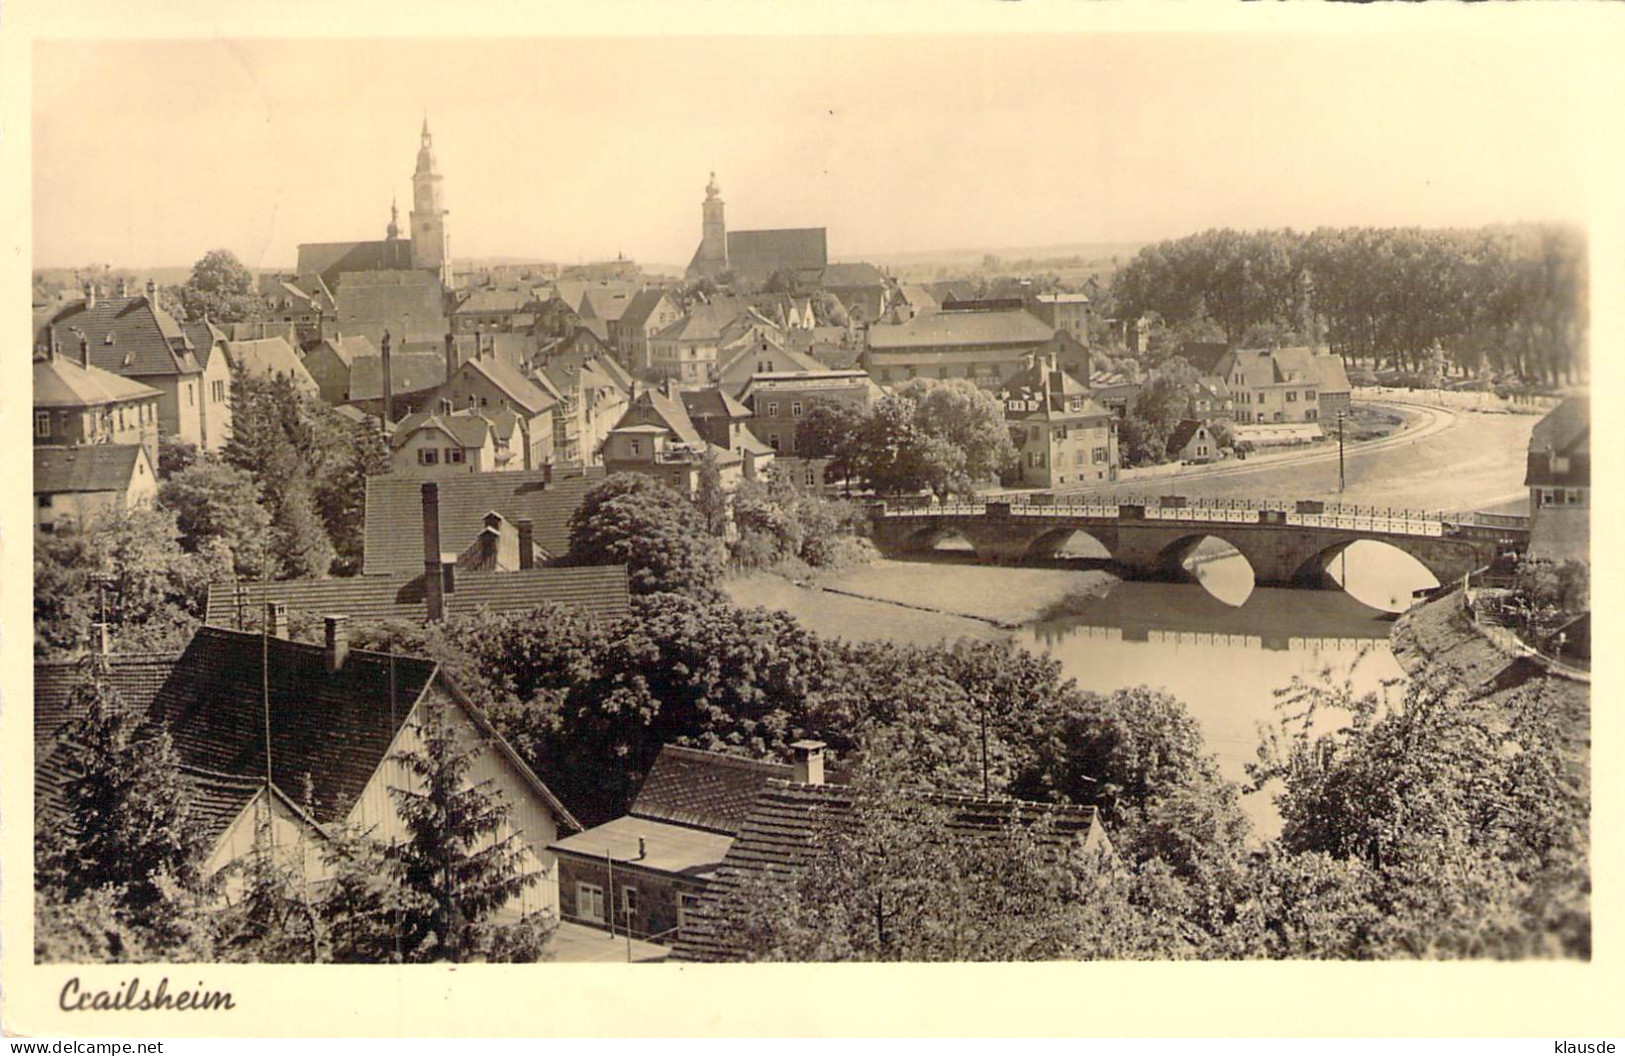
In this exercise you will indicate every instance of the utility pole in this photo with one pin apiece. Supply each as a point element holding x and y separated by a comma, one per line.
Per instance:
<point>1340,478</point>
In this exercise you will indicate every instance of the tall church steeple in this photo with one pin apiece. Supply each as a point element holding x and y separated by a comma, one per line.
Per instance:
<point>394,230</point>
<point>712,257</point>
<point>431,245</point>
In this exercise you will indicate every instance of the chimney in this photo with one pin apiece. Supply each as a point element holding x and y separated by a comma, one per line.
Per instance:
<point>276,619</point>
<point>100,639</point>
<point>387,379</point>
<point>527,543</point>
<point>433,578</point>
<point>84,350</point>
<point>152,293</point>
<point>338,642</point>
<point>809,762</point>
<point>90,295</point>
<point>448,577</point>
<point>451,355</point>
<point>51,344</point>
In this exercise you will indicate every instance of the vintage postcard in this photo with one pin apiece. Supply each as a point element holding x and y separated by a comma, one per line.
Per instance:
<point>591,531</point>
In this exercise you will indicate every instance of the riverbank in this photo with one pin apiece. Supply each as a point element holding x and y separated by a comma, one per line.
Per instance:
<point>924,602</point>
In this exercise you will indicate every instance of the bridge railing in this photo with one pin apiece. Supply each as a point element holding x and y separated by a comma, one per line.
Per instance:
<point>1338,516</point>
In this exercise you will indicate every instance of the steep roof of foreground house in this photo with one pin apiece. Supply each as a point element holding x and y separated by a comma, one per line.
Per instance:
<point>87,467</point>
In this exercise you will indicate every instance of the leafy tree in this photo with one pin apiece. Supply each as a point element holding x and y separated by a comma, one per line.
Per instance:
<point>354,453</point>
<point>461,861</point>
<point>221,288</point>
<point>216,506</point>
<point>709,497</point>
<point>897,880</point>
<point>634,520</point>
<point>965,416</point>
<point>174,455</point>
<point>890,454</point>
<point>127,569</point>
<point>830,429</point>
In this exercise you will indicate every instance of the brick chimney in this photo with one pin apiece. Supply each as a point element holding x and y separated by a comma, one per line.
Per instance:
<point>809,762</point>
<point>276,619</point>
<point>90,295</point>
<point>387,378</point>
<point>152,293</point>
<point>448,578</point>
<point>84,350</point>
<point>527,543</point>
<point>100,640</point>
<point>433,577</point>
<point>451,355</point>
<point>338,642</point>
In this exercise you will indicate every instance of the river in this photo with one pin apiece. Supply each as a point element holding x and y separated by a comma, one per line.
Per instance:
<point>1218,644</point>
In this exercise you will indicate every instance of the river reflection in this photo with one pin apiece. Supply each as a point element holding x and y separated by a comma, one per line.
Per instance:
<point>1224,661</point>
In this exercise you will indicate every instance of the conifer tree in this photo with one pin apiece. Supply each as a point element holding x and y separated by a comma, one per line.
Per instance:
<point>461,862</point>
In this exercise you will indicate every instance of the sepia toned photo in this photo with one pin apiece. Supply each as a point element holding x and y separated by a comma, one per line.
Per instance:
<point>691,499</point>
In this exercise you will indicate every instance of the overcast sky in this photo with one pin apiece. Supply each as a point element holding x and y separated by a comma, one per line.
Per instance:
<point>151,153</point>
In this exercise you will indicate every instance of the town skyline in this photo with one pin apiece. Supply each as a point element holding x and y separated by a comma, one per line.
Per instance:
<point>612,178</point>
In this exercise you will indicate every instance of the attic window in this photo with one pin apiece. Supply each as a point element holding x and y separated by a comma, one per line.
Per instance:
<point>107,338</point>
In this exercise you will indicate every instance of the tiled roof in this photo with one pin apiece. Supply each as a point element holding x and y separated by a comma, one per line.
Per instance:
<point>1014,326</point>
<point>641,306</point>
<point>778,839</point>
<point>349,347</point>
<point>706,790</point>
<point>337,727</point>
<point>272,357</point>
<point>373,301</point>
<point>469,430</point>
<point>704,322</point>
<point>653,407</point>
<point>410,372</point>
<point>756,255</point>
<point>1566,428</point>
<point>333,259</point>
<point>606,303</point>
<point>127,336</point>
<point>601,591</point>
<point>136,677</point>
<point>712,403</point>
<point>853,275</point>
<point>491,300</point>
<point>87,467</point>
<point>62,382</point>
<point>1182,435</point>
<point>675,849</point>
<point>920,298</point>
<point>207,339</point>
<point>520,390</point>
<point>394,513</point>
<point>1203,355</point>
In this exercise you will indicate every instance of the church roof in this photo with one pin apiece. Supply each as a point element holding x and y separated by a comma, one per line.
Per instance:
<point>330,260</point>
<point>755,255</point>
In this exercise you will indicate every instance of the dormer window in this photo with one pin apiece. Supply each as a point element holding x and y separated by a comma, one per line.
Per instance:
<point>1560,463</point>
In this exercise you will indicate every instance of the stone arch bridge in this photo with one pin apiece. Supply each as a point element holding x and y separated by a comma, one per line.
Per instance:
<point>1286,544</point>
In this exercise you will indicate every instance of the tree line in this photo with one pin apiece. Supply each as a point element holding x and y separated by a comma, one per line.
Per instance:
<point>1508,299</point>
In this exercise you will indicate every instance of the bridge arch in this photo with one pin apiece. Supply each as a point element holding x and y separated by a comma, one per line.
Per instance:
<point>928,539</point>
<point>1071,541</point>
<point>1219,565</point>
<point>1381,573</point>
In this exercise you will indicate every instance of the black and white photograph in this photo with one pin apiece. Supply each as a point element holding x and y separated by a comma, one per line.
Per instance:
<point>912,497</point>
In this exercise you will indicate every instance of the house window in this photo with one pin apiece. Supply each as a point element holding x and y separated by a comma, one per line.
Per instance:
<point>795,409</point>
<point>1310,416</point>
<point>636,448</point>
<point>1077,457</point>
<point>191,397</point>
<point>773,409</point>
<point>1309,394</point>
<point>44,502</point>
<point>1560,464</point>
<point>942,372</point>
<point>218,391</point>
<point>454,455</point>
<point>885,373</point>
<point>590,901</point>
<point>428,456</point>
<point>773,441</point>
<point>1576,497</point>
<point>812,475</point>
<point>1101,454</point>
<point>42,423</point>
<point>1291,397</point>
<point>629,902</point>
